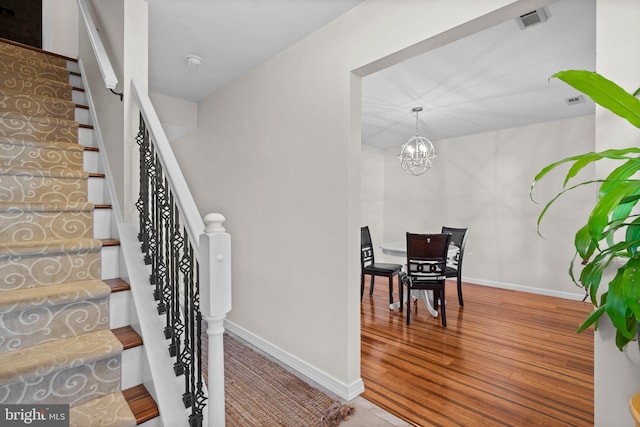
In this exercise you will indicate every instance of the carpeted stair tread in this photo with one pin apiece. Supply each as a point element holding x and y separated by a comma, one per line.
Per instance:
<point>111,410</point>
<point>35,85</point>
<point>25,153</point>
<point>25,188</point>
<point>18,272</point>
<point>16,115</point>
<point>19,50</point>
<point>49,247</point>
<point>51,145</point>
<point>27,364</point>
<point>33,67</point>
<point>33,105</point>
<point>32,316</point>
<point>63,293</point>
<point>17,125</point>
<point>45,221</point>
<point>14,207</point>
<point>55,173</point>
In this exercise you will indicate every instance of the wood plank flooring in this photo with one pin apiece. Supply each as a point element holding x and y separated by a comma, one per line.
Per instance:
<point>506,358</point>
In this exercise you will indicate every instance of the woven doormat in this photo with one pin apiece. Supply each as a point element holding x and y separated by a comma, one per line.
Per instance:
<point>259,392</point>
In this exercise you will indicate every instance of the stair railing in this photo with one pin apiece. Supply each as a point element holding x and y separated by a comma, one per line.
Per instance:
<point>190,257</point>
<point>191,270</point>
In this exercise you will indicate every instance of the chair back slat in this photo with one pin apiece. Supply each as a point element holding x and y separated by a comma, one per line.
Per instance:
<point>458,236</point>
<point>459,240</point>
<point>366,248</point>
<point>427,255</point>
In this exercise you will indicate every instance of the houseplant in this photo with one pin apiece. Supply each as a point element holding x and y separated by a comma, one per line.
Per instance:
<point>611,237</point>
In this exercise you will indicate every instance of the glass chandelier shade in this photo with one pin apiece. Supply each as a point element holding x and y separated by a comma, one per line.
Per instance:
<point>417,154</point>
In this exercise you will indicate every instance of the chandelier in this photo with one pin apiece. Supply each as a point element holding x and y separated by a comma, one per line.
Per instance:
<point>418,153</point>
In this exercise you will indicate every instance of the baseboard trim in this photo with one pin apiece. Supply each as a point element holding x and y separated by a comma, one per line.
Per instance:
<point>298,366</point>
<point>521,288</point>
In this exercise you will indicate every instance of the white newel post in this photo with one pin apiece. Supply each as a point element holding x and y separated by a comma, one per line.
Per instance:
<point>215,303</point>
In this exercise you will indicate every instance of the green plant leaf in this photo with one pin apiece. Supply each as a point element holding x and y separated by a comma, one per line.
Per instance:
<point>621,340</point>
<point>623,299</point>
<point>591,319</point>
<point>622,172</point>
<point>584,243</point>
<point>633,235</point>
<point>599,218</point>
<point>557,196</point>
<point>604,92</point>
<point>584,160</point>
<point>632,326</point>
<point>612,231</point>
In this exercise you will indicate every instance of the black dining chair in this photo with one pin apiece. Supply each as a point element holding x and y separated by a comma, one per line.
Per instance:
<point>426,267</point>
<point>454,265</point>
<point>368,265</point>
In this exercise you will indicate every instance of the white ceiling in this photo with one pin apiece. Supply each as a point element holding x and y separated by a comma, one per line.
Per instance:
<point>231,36</point>
<point>495,79</point>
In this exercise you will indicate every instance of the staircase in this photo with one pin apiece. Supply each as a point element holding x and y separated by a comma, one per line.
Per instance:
<point>59,288</point>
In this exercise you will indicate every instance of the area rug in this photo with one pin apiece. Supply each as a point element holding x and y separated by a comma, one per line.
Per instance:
<point>259,392</point>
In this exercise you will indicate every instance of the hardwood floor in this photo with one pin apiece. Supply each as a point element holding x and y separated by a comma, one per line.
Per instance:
<point>505,359</point>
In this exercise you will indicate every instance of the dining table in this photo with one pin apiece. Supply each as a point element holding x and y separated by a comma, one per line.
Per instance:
<point>399,249</point>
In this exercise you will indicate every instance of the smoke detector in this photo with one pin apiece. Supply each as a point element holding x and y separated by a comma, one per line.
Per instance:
<point>532,18</point>
<point>193,60</point>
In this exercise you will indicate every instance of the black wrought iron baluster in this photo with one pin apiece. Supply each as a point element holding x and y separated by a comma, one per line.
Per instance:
<point>146,183</point>
<point>178,324</point>
<point>186,356</point>
<point>162,211</point>
<point>141,203</point>
<point>153,229</point>
<point>168,289</point>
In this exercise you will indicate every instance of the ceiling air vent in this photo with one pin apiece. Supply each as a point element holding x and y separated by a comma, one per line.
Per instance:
<point>578,99</point>
<point>532,18</point>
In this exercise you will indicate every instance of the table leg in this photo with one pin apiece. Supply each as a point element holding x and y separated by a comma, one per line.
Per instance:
<point>424,295</point>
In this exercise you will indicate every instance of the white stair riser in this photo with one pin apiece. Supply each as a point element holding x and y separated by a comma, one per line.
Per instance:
<point>82,116</point>
<point>102,224</point>
<point>75,81</point>
<point>131,367</point>
<point>79,97</point>
<point>120,306</point>
<point>91,161</point>
<point>73,66</point>
<point>152,423</point>
<point>96,190</point>
<point>110,259</point>
<point>85,137</point>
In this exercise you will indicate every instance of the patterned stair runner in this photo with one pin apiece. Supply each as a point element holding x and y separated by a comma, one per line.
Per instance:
<point>55,342</point>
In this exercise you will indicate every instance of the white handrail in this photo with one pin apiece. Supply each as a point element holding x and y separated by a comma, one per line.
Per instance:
<point>106,69</point>
<point>180,190</point>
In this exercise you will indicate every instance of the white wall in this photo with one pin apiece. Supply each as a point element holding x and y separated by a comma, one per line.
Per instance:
<point>278,153</point>
<point>178,117</point>
<point>482,182</point>
<point>617,374</point>
<point>372,193</point>
<point>60,27</point>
